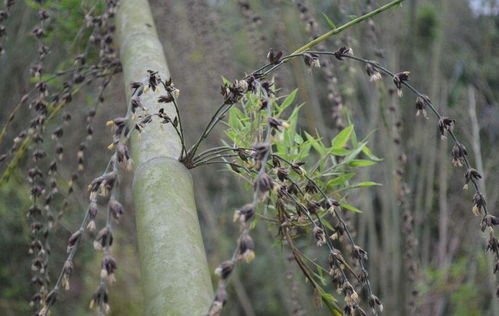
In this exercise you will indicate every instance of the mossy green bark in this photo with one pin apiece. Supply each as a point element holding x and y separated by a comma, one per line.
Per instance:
<point>175,276</point>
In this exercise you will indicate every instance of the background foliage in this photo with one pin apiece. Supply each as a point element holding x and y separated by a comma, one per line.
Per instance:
<point>452,52</point>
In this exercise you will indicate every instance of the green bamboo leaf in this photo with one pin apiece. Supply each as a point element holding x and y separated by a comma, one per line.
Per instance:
<point>317,144</point>
<point>226,81</point>
<point>340,140</point>
<point>370,154</point>
<point>329,21</point>
<point>340,151</point>
<point>288,101</point>
<point>365,184</point>
<point>354,153</point>
<point>340,180</point>
<point>361,163</point>
<point>350,207</point>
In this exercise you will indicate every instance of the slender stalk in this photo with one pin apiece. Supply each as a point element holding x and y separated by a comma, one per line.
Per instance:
<point>345,26</point>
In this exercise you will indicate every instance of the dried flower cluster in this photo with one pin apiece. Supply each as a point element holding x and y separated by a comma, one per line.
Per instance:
<point>103,189</point>
<point>459,153</point>
<point>46,102</point>
<point>301,205</point>
<point>39,213</point>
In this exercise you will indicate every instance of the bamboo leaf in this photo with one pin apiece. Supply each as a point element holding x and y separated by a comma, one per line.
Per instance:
<point>329,21</point>
<point>340,140</point>
<point>350,207</point>
<point>361,163</point>
<point>340,180</point>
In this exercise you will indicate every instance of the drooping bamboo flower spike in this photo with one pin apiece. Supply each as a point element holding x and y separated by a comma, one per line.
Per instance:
<point>41,196</point>
<point>459,153</point>
<point>106,185</point>
<point>74,78</point>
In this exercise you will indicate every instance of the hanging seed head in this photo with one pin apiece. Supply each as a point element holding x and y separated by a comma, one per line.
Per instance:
<point>373,73</point>
<point>246,248</point>
<point>313,207</point>
<point>263,184</point>
<point>34,211</point>
<point>459,154</point>
<point>471,175</point>
<point>342,52</point>
<point>489,221</point>
<point>260,151</point>
<point>225,269</point>
<point>165,98</point>
<point>311,187</point>
<point>245,213</point>
<point>478,204</point>
<point>73,239</point>
<point>297,167</point>
<point>282,173</point>
<point>92,213</point>
<point>399,79</point>
<point>292,189</point>
<point>108,266</point>
<point>116,208</point>
<point>153,79</point>
<point>66,273</point>
<point>375,303</point>
<point>319,236</point>
<point>219,301</point>
<point>277,124</point>
<point>35,246</point>
<point>330,204</point>
<point>57,133</point>
<point>445,125</point>
<point>493,243</point>
<point>48,302</point>
<point>103,184</point>
<point>274,57</point>
<point>311,60</point>
<point>359,253</point>
<point>103,239</point>
<point>421,106</point>
<point>100,300</point>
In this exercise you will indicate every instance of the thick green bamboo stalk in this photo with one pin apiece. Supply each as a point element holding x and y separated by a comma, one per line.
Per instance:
<point>175,275</point>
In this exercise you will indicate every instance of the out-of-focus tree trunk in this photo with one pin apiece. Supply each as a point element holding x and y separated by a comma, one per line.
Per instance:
<point>175,275</point>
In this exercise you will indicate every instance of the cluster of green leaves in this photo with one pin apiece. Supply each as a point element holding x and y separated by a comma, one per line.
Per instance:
<point>308,161</point>
<point>332,164</point>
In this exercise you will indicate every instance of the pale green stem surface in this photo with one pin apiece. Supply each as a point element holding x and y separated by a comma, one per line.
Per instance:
<point>175,276</point>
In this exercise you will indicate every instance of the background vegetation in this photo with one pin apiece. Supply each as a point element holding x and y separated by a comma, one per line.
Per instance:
<point>451,48</point>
